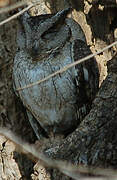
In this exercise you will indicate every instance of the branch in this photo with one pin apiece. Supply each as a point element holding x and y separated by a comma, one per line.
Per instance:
<point>76,172</point>
<point>65,68</point>
<point>13,6</point>
<point>18,14</point>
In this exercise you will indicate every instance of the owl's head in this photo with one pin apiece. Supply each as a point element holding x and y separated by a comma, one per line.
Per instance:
<point>36,33</point>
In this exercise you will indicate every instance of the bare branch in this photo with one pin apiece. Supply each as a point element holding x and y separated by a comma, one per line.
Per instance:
<point>18,14</point>
<point>65,68</point>
<point>13,6</point>
<point>76,172</point>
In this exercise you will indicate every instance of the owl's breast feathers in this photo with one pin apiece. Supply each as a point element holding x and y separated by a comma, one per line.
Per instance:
<point>61,102</point>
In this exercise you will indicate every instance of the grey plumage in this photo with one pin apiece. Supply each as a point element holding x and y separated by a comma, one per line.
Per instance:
<point>47,43</point>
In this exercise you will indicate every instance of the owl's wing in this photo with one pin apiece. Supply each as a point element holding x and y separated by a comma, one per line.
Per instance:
<point>87,77</point>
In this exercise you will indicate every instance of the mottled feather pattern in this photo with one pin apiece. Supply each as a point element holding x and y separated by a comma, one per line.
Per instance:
<point>87,77</point>
<point>59,104</point>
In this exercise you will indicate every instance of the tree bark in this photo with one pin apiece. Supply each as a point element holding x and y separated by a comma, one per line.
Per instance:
<point>94,141</point>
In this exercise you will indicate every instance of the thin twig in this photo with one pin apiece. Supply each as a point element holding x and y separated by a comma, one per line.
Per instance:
<point>13,6</point>
<point>77,172</point>
<point>18,14</point>
<point>65,68</point>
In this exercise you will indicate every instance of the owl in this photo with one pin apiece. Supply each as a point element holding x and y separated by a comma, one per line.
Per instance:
<point>47,43</point>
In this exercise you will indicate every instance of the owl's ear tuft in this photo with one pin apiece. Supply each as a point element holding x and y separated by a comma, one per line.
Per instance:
<point>21,39</point>
<point>22,20</point>
<point>23,17</point>
<point>62,14</point>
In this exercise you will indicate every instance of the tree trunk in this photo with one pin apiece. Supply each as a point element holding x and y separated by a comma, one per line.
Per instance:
<point>94,141</point>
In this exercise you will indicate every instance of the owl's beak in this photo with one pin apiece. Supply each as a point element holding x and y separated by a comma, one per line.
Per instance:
<point>36,49</point>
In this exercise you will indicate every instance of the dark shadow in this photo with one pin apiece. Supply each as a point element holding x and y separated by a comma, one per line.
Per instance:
<point>106,2</point>
<point>21,127</point>
<point>102,21</point>
<point>25,165</point>
<point>75,4</point>
<point>78,5</point>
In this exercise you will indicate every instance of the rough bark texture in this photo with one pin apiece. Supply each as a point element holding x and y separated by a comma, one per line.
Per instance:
<point>94,141</point>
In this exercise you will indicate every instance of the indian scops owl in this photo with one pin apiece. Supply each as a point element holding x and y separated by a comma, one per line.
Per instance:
<point>47,43</point>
